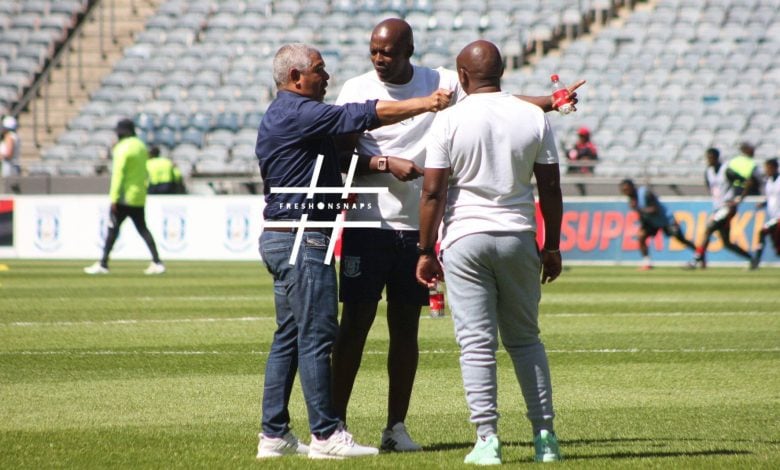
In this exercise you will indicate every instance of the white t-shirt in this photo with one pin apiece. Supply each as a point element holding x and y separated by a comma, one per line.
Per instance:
<point>490,141</point>
<point>399,208</point>
<point>9,159</point>
<point>720,188</point>
<point>772,192</point>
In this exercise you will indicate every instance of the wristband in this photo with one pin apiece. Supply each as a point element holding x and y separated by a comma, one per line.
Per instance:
<point>552,251</point>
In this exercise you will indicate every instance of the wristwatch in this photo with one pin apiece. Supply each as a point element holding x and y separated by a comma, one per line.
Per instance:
<point>381,164</point>
<point>431,251</point>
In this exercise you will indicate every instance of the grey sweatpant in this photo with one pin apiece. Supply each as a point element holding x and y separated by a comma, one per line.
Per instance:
<point>494,288</point>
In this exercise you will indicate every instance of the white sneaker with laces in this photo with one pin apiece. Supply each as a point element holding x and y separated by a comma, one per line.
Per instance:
<point>288,444</point>
<point>155,268</point>
<point>397,439</point>
<point>96,268</point>
<point>338,446</point>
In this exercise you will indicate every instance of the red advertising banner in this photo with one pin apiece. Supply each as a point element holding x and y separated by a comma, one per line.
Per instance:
<point>6,222</point>
<point>606,231</point>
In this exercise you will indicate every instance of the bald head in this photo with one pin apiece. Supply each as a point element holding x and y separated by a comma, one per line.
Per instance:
<point>392,45</point>
<point>394,30</point>
<point>480,67</point>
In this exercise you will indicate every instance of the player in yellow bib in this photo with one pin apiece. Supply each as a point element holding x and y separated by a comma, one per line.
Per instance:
<point>128,196</point>
<point>164,176</point>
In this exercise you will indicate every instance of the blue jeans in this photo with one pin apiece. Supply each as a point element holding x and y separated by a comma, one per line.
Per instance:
<point>305,296</point>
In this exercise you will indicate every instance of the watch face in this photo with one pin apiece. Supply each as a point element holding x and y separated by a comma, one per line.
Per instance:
<point>382,164</point>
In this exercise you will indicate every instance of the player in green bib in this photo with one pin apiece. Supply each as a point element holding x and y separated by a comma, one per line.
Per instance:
<point>128,196</point>
<point>164,176</point>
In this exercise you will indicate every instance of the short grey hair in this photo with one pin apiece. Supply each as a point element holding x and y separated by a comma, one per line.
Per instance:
<point>291,56</point>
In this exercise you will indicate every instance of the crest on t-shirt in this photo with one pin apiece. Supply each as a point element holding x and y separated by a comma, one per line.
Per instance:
<point>350,266</point>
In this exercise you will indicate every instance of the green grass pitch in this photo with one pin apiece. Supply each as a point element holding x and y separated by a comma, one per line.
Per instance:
<point>661,369</point>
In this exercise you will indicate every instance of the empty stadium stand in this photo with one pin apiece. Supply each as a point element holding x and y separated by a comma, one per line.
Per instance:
<point>666,78</point>
<point>30,33</point>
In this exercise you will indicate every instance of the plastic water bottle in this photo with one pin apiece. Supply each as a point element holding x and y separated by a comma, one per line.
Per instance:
<point>436,300</point>
<point>561,97</point>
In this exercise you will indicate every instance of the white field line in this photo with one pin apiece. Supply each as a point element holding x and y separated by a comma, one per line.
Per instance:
<point>203,298</point>
<point>138,322</point>
<point>186,298</point>
<point>423,317</point>
<point>382,353</point>
<point>666,314</point>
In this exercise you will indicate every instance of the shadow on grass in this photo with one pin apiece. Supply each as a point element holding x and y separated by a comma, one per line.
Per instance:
<point>590,442</point>
<point>444,446</point>
<point>656,454</point>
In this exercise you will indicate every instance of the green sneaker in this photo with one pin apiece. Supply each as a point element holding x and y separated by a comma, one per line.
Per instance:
<point>485,452</point>
<point>546,447</point>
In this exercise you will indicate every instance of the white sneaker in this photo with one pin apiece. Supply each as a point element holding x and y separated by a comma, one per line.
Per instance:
<point>279,446</point>
<point>155,268</point>
<point>397,439</point>
<point>338,446</point>
<point>96,268</point>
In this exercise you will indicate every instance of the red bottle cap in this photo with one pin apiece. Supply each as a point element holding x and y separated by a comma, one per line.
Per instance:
<point>554,77</point>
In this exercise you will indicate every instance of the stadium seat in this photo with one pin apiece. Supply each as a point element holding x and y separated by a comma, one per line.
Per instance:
<point>84,122</point>
<point>243,152</point>
<point>58,152</point>
<point>185,152</point>
<point>103,138</point>
<point>201,121</point>
<point>165,136</point>
<point>220,137</point>
<point>174,122</point>
<point>193,136</point>
<point>228,121</point>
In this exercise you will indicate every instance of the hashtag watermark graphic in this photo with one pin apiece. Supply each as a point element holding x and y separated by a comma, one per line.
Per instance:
<point>301,225</point>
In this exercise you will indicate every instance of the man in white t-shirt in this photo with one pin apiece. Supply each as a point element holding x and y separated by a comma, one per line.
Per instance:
<point>771,227</point>
<point>480,159</point>
<point>727,189</point>
<point>10,148</point>
<point>375,259</point>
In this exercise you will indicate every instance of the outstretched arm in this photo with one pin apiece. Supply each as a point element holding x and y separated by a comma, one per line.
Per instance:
<point>546,102</point>
<point>390,112</point>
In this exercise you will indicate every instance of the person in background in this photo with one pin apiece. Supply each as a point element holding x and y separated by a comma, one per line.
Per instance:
<point>10,148</point>
<point>296,138</point>
<point>728,185</point>
<point>128,196</point>
<point>480,159</point>
<point>653,216</point>
<point>164,176</point>
<point>771,227</point>
<point>582,157</point>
